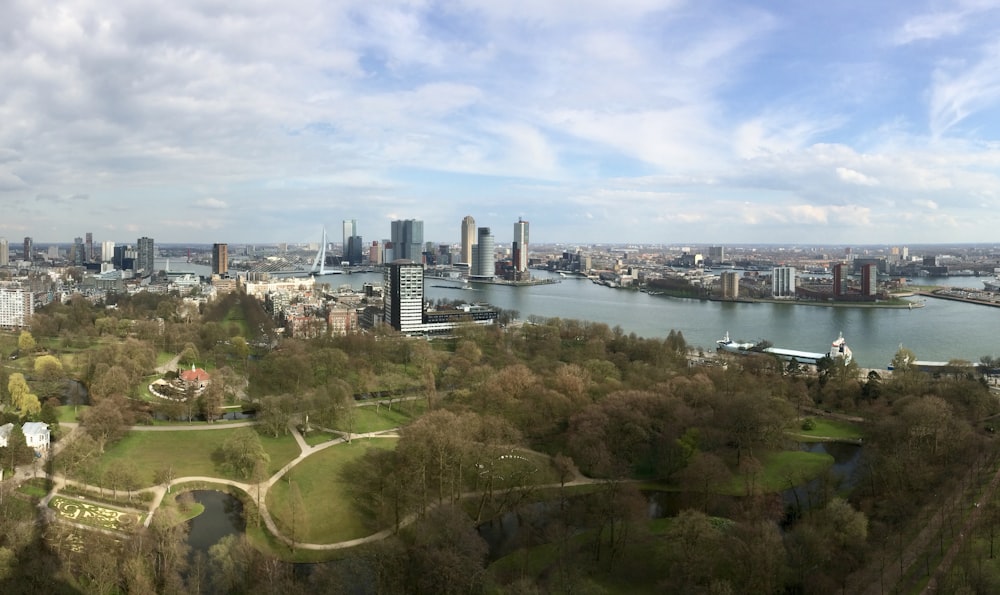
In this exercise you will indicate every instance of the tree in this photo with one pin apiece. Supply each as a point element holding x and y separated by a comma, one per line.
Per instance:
<point>210,402</point>
<point>273,416</point>
<point>17,452</point>
<point>242,451</point>
<point>26,342</point>
<point>107,421</point>
<point>48,374</point>
<point>21,397</point>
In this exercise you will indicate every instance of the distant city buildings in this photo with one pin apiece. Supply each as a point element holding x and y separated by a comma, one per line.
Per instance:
<point>4,252</point>
<point>29,249</point>
<point>220,259</point>
<point>354,247</point>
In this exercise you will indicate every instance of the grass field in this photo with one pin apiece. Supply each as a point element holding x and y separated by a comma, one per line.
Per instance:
<point>827,429</point>
<point>781,470</point>
<point>70,413</point>
<point>190,453</point>
<point>329,515</point>
<point>376,419</point>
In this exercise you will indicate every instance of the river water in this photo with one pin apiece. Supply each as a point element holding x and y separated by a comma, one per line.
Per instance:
<point>939,331</point>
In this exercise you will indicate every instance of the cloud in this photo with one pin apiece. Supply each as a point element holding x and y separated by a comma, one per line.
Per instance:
<point>855,177</point>
<point>212,203</point>
<point>55,198</point>
<point>931,26</point>
<point>960,90</point>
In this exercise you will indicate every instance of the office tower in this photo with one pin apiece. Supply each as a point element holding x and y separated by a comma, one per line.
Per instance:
<point>354,250</point>
<point>220,259</point>
<point>468,238</point>
<point>144,258</point>
<point>388,251</point>
<point>730,285</point>
<point>29,247</point>
<point>839,280</point>
<point>53,253</point>
<point>519,248</point>
<point>89,244</point>
<point>403,306</point>
<point>107,251</point>
<point>408,239</point>
<point>77,255</point>
<point>783,282</point>
<point>375,253</point>
<point>717,253</point>
<point>350,230</point>
<point>118,258</point>
<point>483,265</point>
<point>4,252</point>
<point>869,280</point>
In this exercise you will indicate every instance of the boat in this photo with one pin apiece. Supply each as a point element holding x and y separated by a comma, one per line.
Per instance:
<point>838,349</point>
<point>319,264</point>
<point>992,285</point>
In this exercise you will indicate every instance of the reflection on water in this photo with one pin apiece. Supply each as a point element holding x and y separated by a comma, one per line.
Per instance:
<point>223,516</point>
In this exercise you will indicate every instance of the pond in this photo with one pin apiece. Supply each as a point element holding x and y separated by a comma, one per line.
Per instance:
<point>223,516</point>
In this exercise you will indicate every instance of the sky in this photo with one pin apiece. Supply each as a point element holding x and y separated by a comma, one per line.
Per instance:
<point>646,121</point>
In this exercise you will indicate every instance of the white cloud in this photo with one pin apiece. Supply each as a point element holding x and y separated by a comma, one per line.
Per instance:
<point>212,203</point>
<point>855,177</point>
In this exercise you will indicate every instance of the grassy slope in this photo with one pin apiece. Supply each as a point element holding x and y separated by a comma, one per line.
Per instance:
<point>330,516</point>
<point>190,453</point>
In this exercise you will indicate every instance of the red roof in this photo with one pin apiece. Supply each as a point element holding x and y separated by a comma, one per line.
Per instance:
<point>194,375</point>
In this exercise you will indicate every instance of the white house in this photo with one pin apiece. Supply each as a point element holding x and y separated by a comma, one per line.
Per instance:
<point>36,434</point>
<point>5,433</point>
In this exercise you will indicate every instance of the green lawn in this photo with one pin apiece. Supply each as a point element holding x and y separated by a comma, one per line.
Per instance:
<point>163,357</point>
<point>329,514</point>
<point>70,413</point>
<point>826,429</point>
<point>317,437</point>
<point>190,453</point>
<point>781,470</point>
<point>376,419</point>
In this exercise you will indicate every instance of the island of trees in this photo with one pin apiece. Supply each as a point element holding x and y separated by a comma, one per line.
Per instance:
<point>383,461</point>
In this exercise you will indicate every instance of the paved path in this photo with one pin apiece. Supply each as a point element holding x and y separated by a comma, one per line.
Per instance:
<point>170,365</point>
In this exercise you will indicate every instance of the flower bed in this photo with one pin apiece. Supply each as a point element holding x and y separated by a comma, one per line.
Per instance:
<point>95,515</point>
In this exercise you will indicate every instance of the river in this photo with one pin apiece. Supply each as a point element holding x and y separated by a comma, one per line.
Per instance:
<point>939,331</point>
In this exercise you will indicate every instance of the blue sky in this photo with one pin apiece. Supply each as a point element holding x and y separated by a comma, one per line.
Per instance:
<point>645,121</point>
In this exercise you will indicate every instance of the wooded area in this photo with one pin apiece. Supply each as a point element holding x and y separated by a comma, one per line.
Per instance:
<point>625,413</point>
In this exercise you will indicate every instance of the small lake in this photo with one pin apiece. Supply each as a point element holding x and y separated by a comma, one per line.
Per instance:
<point>223,516</point>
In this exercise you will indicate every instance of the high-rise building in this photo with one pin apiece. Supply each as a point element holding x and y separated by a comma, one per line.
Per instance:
<point>89,244</point>
<point>839,279</point>
<point>403,304</point>
<point>144,259</point>
<point>29,249</point>
<point>730,285</point>
<point>408,239</point>
<point>350,230</point>
<point>354,252</point>
<point>783,282</point>
<point>375,253</point>
<point>717,253</point>
<point>4,252</point>
<point>16,308</point>
<point>107,251</point>
<point>468,239</point>
<point>77,255</point>
<point>220,259</point>
<point>519,248</point>
<point>483,264</point>
<point>869,280</point>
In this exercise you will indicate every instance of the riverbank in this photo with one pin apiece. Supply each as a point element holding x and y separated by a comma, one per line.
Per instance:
<point>979,298</point>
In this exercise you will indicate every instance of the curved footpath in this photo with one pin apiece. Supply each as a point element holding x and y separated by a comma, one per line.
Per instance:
<point>258,491</point>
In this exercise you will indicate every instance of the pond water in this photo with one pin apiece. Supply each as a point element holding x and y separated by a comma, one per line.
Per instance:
<point>223,516</point>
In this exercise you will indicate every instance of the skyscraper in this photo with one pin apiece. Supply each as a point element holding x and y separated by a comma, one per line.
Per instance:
<point>839,280</point>
<point>408,239</point>
<point>783,282</point>
<point>350,230</point>
<point>89,254</point>
<point>29,248</point>
<point>220,259</point>
<point>483,264</point>
<point>77,255</point>
<point>730,285</point>
<point>144,258</point>
<point>869,280</point>
<point>468,238</point>
<point>4,252</point>
<point>403,306</point>
<point>107,251</point>
<point>354,252</point>
<point>519,248</point>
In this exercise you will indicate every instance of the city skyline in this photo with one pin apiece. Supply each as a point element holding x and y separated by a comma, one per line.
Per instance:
<point>651,122</point>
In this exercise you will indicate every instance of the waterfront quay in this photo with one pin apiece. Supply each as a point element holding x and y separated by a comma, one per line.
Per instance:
<point>961,294</point>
